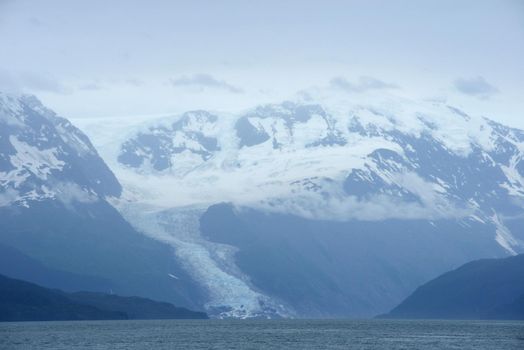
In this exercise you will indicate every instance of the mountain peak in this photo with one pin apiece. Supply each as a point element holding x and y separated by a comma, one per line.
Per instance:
<point>45,156</point>
<point>393,159</point>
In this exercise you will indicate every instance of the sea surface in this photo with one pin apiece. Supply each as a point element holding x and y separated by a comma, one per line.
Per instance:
<point>263,334</point>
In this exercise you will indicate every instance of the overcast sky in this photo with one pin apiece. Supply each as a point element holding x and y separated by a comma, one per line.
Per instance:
<point>99,58</point>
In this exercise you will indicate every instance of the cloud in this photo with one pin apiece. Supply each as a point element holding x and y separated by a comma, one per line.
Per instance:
<point>363,84</point>
<point>43,83</point>
<point>97,84</point>
<point>477,87</point>
<point>205,81</point>
<point>69,193</point>
<point>338,206</point>
<point>92,86</point>
<point>31,82</point>
<point>8,196</point>
<point>133,82</point>
<point>374,208</point>
<point>36,22</point>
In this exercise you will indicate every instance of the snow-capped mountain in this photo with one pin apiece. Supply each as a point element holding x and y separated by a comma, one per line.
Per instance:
<point>433,160</point>
<point>44,156</point>
<point>55,218</point>
<point>191,138</point>
<point>406,189</point>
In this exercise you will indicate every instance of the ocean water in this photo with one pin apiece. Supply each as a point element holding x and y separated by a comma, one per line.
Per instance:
<point>263,334</point>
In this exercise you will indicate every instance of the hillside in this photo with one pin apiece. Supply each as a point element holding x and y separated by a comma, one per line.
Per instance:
<point>482,289</point>
<point>24,301</point>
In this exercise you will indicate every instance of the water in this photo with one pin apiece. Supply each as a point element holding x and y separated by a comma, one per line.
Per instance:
<point>262,334</point>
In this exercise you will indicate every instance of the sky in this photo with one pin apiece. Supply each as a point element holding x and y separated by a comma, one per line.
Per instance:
<point>97,59</point>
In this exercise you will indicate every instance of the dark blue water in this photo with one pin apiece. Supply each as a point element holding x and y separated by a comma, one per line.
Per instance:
<point>261,334</point>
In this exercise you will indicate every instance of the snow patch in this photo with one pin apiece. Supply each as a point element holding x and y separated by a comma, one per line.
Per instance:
<point>504,236</point>
<point>39,162</point>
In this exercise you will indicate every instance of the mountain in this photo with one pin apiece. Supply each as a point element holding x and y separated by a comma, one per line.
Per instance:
<point>482,289</point>
<point>320,208</point>
<point>14,264</point>
<point>56,218</point>
<point>23,301</point>
<point>323,268</point>
<point>45,157</point>
<point>135,308</point>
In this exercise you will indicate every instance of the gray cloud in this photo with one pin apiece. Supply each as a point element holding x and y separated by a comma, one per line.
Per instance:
<point>102,84</point>
<point>134,82</point>
<point>363,84</point>
<point>477,86</point>
<point>31,82</point>
<point>35,21</point>
<point>205,81</point>
<point>92,86</point>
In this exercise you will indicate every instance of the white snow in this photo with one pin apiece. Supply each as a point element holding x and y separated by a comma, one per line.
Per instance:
<point>10,106</point>
<point>71,138</point>
<point>29,159</point>
<point>33,166</point>
<point>504,236</point>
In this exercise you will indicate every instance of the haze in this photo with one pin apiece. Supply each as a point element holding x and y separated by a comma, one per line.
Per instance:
<point>129,58</point>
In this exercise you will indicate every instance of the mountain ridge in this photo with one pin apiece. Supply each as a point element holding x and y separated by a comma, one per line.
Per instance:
<point>481,289</point>
<point>24,301</point>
